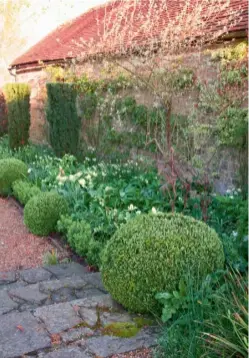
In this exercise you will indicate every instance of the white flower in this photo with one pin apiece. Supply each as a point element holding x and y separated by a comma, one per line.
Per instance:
<point>82,182</point>
<point>78,175</point>
<point>239,190</point>
<point>71,178</point>
<point>138,212</point>
<point>228,191</point>
<point>235,234</point>
<point>231,196</point>
<point>88,177</point>
<point>29,170</point>
<point>108,188</point>
<point>131,207</point>
<point>154,211</point>
<point>61,179</point>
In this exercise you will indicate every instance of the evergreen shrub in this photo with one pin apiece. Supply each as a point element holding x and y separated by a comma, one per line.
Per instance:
<point>17,96</point>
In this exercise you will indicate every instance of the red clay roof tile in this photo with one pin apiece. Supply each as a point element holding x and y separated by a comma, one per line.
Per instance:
<point>60,44</point>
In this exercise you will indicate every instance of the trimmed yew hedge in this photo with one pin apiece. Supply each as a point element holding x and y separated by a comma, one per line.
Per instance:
<point>61,113</point>
<point>17,96</point>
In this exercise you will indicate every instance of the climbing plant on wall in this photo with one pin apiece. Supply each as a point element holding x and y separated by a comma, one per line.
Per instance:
<point>17,97</point>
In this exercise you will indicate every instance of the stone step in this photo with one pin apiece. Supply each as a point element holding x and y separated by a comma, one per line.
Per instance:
<point>21,296</point>
<point>63,311</point>
<point>70,329</point>
<point>45,273</point>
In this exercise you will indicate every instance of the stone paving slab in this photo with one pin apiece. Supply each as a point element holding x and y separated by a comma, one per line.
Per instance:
<point>104,301</point>
<point>95,280</point>
<point>30,293</point>
<point>58,317</point>
<point>89,316</point>
<point>70,352</point>
<point>111,317</point>
<point>67,270</point>
<point>87,293</point>
<point>21,333</point>
<point>7,277</point>
<point>35,275</point>
<point>76,334</point>
<point>105,346</point>
<point>6,303</point>
<point>64,302</point>
<point>74,283</point>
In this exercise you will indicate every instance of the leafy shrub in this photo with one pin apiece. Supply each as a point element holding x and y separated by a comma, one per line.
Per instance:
<point>17,97</point>
<point>64,123</point>
<point>152,252</point>
<point>24,190</point>
<point>42,212</point>
<point>3,115</point>
<point>80,238</point>
<point>95,250</point>
<point>78,234</point>
<point>11,169</point>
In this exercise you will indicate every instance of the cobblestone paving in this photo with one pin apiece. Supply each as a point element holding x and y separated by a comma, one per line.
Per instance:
<point>60,312</point>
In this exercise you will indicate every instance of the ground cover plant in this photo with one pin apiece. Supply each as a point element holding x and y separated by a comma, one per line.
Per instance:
<point>108,194</point>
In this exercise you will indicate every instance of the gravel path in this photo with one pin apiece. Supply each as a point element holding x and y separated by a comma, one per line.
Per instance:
<point>18,248</point>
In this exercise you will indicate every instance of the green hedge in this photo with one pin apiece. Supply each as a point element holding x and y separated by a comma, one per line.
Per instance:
<point>11,169</point>
<point>79,236</point>
<point>42,212</point>
<point>3,115</point>
<point>23,191</point>
<point>151,253</point>
<point>17,96</point>
<point>61,113</point>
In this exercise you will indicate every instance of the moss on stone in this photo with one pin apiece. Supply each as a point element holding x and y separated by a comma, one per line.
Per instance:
<point>121,329</point>
<point>143,321</point>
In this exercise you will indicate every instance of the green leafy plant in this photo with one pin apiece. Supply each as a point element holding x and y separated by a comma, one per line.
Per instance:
<point>78,234</point>
<point>23,191</point>
<point>42,212</point>
<point>3,115</point>
<point>230,337</point>
<point>61,113</point>
<point>203,326</point>
<point>151,253</point>
<point>232,126</point>
<point>17,97</point>
<point>172,302</point>
<point>11,169</point>
<point>51,258</point>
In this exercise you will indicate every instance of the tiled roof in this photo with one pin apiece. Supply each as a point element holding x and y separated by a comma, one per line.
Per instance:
<point>61,43</point>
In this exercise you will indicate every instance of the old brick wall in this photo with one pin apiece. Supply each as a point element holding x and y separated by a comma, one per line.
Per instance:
<point>225,163</point>
<point>37,81</point>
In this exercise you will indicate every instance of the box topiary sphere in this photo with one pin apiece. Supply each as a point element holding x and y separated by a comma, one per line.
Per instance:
<point>42,212</point>
<point>11,169</point>
<point>151,253</point>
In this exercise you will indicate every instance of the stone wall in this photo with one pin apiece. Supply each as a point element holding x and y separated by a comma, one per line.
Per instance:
<point>226,161</point>
<point>37,81</point>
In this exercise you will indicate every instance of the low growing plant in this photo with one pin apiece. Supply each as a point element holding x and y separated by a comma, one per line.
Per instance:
<point>11,169</point>
<point>42,212</point>
<point>78,234</point>
<point>213,321</point>
<point>23,191</point>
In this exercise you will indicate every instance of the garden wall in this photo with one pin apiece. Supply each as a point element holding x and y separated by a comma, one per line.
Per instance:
<point>225,163</point>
